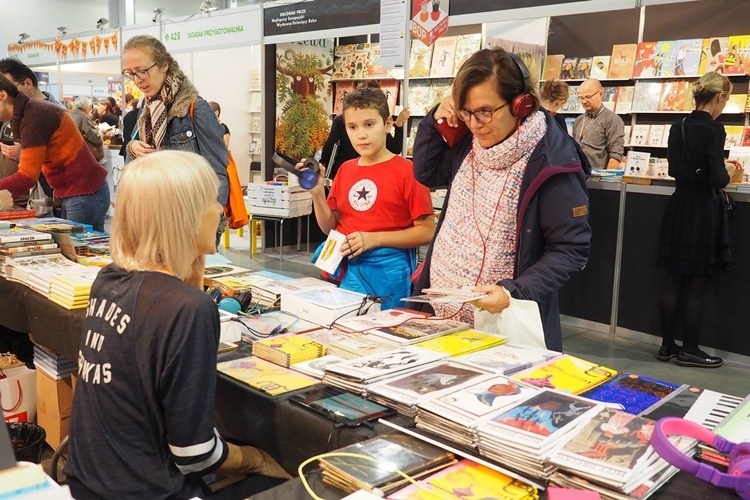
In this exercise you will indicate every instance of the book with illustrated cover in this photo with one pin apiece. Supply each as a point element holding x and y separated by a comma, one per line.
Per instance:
<point>664,55</point>
<point>507,358</point>
<point>419,97</point>
<point>573,104</point>
<point>443,56</point>
<point>639,135</point>
<point>316,367</point>
<point>255,124</point>
<point>342,61</point>
<point>287,349</point>
<point>413,127</point>
<point>22,267</point>
<point>568,70</point>
<point>417,330</point>
<point>736,426</point>
<point>19,234</point>
<point>624,100</point>
<point>356,346</point>
<point>646,97</point>
<point>635,393</point>
<point>254,148</point>
<point>735,104</point>
<point>655,134</point>
<point>326,336</point>
<point>404,392</point>
<point>600,67</point>
<point>380,365</point>
<point>673,95</point>
<point>382,319</point>
<point>463,342</point>
<point>622,61</point>
<point>566,373</point>
<point>219,270</point>
<point>687,57</point>
<point>714,55</point>
<point>583,68</point>
<point>734,136</point>
<point>609,97</point>
<point>552,67</point>
<point>390,88</point>
<point>401,452</point>
<point>374,68</point>
<point>342,90</point>
<point>265,376</point>
<point>637,162</point>
<point>644,65</point>
<point>420,59</point>
<point>738,55</point>
<point>465,47</point>
<point>569,123</point>
<point>468,480</point>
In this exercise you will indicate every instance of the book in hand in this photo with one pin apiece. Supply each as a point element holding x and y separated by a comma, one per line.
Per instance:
<point>390,452</point>
<point>446,295</point>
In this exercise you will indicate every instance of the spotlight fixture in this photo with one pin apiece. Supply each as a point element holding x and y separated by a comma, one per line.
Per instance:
<point>23,37</point>
<point>62,31</point>
<point>208,6</point>
<point>158,12</point>
<point>101,23</point>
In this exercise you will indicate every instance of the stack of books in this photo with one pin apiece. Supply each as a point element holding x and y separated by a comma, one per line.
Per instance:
<point>263,284</point>
<point>287,349</point>
<point>508,358</point>
<point>36,271</point>
<point>355,375</point>
<point>389,318</point>
<point>403,393</point>
<point>17,242</point>
<point>419,330</point>
<point>566,373</point>
<point>454,415</point>
<point>72,290</point>
<point>523,435</point>
<point>13,213</point>
<point>388,453</point>
<point>464,342</point>
<point>316,367</point>
<point>55,366</point>
<point>349,346</point>
<point>266,377</point>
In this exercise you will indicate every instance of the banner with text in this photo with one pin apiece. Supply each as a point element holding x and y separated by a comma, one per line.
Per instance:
<point>314,16</point>
<point>429,20</point>
<point>235,29</point>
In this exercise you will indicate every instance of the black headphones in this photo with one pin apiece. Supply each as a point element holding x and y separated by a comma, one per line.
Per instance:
<point>522,104</point>
<point>308,176</point>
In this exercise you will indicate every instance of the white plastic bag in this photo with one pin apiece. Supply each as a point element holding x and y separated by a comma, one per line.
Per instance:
<point>520,322</point>
<point>18,394</point>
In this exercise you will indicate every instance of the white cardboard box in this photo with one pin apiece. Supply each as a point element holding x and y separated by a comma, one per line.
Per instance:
<point>323,306</point>
<point>275,196</point>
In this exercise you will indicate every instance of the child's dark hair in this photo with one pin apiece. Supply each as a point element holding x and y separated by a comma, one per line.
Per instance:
<point>368,98</point>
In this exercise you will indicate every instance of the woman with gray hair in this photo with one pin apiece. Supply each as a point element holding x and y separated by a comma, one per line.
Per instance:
<point>81,116</point>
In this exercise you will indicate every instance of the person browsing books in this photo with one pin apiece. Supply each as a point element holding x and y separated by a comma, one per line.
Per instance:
<point>376,202</point>
<point>694,242</point>
<point>599,131</point>
<point>515,219</point>
<point>554,94</point>
<point>142,424</point>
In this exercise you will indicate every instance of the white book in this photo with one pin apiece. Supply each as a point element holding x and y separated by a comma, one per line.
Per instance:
<point>380,365</point>
<point>639,135</point>
<point>636,163</point>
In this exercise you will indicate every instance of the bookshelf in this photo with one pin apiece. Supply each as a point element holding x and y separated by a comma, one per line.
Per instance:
<point>255,115</point>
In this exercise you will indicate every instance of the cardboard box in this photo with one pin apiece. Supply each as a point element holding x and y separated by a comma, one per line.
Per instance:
<point>54,401</point>
<point>271,196</point>
<point>325,305</point>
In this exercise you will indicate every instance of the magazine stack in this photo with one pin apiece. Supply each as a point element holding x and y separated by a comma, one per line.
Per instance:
<point>355,375</point>
<point>354,346</point>
<point>388,318</point>
<point>287,349</point>
<point>523,435</point>
<point>16,242</point>
<point>508,358</point>
<point>454,414</point>
<point>55,366</point>
<point>418,330</point>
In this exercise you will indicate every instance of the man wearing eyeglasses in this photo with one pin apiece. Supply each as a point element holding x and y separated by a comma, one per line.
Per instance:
<point>599,131</point>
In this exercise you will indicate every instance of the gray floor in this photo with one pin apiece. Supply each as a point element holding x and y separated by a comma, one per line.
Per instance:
<point>613,351</point>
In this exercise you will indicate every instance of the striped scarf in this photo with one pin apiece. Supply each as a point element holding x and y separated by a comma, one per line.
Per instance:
<point>152,124</point>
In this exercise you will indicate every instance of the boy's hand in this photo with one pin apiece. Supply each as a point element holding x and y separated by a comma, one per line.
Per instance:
<point>402,117</point>
<point>319,188</point>
<point>356,244</point>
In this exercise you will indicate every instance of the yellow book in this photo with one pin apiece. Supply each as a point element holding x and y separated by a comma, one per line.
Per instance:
<point>287,349</point>
<point>68,304</point>
<point>566,373</point>
<point>465,342</point>
<point>268,377</point>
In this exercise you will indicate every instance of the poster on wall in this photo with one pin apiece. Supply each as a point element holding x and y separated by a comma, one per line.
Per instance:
<point>303,96</point>
<point>429,20</point>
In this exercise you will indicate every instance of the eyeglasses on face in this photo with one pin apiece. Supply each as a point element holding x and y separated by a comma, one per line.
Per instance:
<point>483,116</point>
<point>587,97</point>
<point>142,74</point>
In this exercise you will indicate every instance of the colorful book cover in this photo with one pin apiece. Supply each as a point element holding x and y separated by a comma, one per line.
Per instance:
<point>443,56</point>
<point>714,55</point>
<point>465,342</point>
<point>342,59</point>
<point>342,90</point>
<point>687,57</point>
<point>644,60</point>
<point>419,97</point>
<point>609,97</point>
<point>635,393</point>
<point>646,96</point>
<point>420,59</point>
<point>552,67</point>
<point>583,68</point>
<point>374,69</point>
<point>566,373</point>
<point>18,234</point>
<point>673,95</point>
<point>676,404</point>
<point>415,329</point>
<point>734,135</point>
<point>390,88</point>
<point>664,58</point>
<point>622,60</point>
<point>289,344</point>
<point>385,363</point>
<point>568,68</point>
<point>265,376</point>
<point>600,67</point>
<point>735,104</point>
<point>572,105</point>
<point>465,47</point>
<point>469,481</point>
<point>738,55</point>
<point>624,101</point>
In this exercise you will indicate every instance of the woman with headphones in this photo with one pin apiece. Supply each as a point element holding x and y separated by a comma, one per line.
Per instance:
<point>515,219</point>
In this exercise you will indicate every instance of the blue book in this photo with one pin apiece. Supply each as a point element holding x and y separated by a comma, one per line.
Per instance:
<point>634,393</point>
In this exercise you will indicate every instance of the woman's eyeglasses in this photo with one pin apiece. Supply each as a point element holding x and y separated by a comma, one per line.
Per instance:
<point>142,74</point>
<point>483,116</point>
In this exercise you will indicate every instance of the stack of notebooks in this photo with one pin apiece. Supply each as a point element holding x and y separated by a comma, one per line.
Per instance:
<point>72,290</point>
<point>403,393</point>
<point>387,453</point>
<point>454,415</point>
<point>463,342</point>
<point>55,366</point>
<point>355,375</point>
<point>566,373</point>
<point>524,434</point>
<point>418,330</point>
<point>264,376</point>
<point>611,454</point>
<point>470,480</point>
<point>508,358</point>
<point>287,349</point>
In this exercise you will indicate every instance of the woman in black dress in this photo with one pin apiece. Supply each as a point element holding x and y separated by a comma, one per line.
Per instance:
<point>694,240</point>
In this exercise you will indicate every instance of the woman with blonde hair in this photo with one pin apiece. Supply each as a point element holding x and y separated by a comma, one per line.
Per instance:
<point>694,241</point>
<point>142,424</point>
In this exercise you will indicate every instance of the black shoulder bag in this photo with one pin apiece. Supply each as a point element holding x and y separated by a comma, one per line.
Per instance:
<point>728,201</point>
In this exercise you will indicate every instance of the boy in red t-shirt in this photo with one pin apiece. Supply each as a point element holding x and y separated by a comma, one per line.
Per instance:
<point>376,202</point>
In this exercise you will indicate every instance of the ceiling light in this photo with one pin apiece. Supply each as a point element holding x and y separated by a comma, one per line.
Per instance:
<point>158,12</point>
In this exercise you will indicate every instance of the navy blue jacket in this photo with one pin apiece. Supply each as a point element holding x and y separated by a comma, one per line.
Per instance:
<point>554,236</point>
